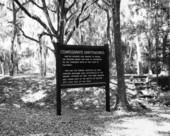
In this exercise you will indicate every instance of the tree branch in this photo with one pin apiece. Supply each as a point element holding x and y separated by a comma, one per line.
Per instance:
<point>101,7</point>
<point>54,11</point>
<point>56,5</point>
<point>95,1</point>
<point>48,17</point>
<point>85,19</point>
<point>108,4</point>
<point>70,16</point>
<point>78,21</point>
<point>4,5</point>
<point>74,28</point>
<point>70,35</point>
<point>69,8</point>
<point>33,39</point>
<point>36,4</point>
<point>36,18</point>
<point>28,37</point>
<point>44,33</point>
<point>22,5</point>
<point>17,8</point>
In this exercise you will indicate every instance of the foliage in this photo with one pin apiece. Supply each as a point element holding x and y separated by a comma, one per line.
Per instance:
<point>163,83</point>
<point>26,67</point>
<point>89,22</point>
<point>27,53</point>
<point>73,16</point>
<point>154,26</point>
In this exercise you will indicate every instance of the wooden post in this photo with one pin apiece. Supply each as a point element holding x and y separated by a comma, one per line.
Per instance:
<point>58,76</point>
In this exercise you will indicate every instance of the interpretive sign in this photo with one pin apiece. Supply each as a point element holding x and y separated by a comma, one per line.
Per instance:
<point>82,66</point>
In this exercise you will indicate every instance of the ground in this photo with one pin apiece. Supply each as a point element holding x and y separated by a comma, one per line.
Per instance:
<point>27,108</point>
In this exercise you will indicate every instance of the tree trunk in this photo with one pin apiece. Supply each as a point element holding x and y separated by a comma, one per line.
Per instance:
<point>149,61</point>
<point>2,68</point>
<point>45,64</point>
<point>17,67</point>
<point>41,61</point>
<point>139,63</point>
<point>12,65</point>
<point>156,43</point>
<point>61,15</point>
<point>164,44</point>
<point>108,27</point>
<point>122,103</point>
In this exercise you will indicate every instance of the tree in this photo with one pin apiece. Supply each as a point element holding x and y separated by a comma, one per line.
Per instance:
<point>4,25</point>
<point>122,103</point>
<point>108,32</point>
<point>152,27</point>
<point>94,30</point>
<point>42,52</point>
<point>69,14</point>
<point>2,60</point>
<point>116,48</point>
<point>11,68</point>
<point>9,6</point>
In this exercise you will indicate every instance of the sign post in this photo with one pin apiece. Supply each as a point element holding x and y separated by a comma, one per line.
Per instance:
<point>107,80</point>
<point>82,66</point>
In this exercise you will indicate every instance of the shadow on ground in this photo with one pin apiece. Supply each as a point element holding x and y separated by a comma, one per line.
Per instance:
<point>34,91</point>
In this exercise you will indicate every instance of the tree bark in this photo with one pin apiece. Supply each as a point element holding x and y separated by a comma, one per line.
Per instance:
<point>164,44</point>
<point>2,61</point>
<point>139,63</point>
<point>60,41</point>
<point>12,65</point>
<point>62,17</point>
<point>149,59</point>
<point>2,68</point>
<point>45,62</point>
<point>122,103</point>
<point>108,27</point>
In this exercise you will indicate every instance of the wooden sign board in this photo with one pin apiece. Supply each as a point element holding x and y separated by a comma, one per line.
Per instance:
<point>82,66</point>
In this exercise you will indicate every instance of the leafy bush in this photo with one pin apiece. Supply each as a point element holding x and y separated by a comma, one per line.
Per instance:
<point>163,82</point>
<point>25,67</point>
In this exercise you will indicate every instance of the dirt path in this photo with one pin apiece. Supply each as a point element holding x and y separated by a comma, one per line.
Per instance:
<point>33,122</point>
<point>156,123</point>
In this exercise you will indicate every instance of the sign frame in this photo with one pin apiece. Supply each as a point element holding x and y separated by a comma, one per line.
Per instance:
<point>59,71</point>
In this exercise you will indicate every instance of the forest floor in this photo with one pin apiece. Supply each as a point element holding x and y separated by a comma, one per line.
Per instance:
<point>27,108</point>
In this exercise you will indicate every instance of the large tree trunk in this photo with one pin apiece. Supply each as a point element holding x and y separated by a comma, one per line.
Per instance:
<point>122,103</point>
<point>62,17</point>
